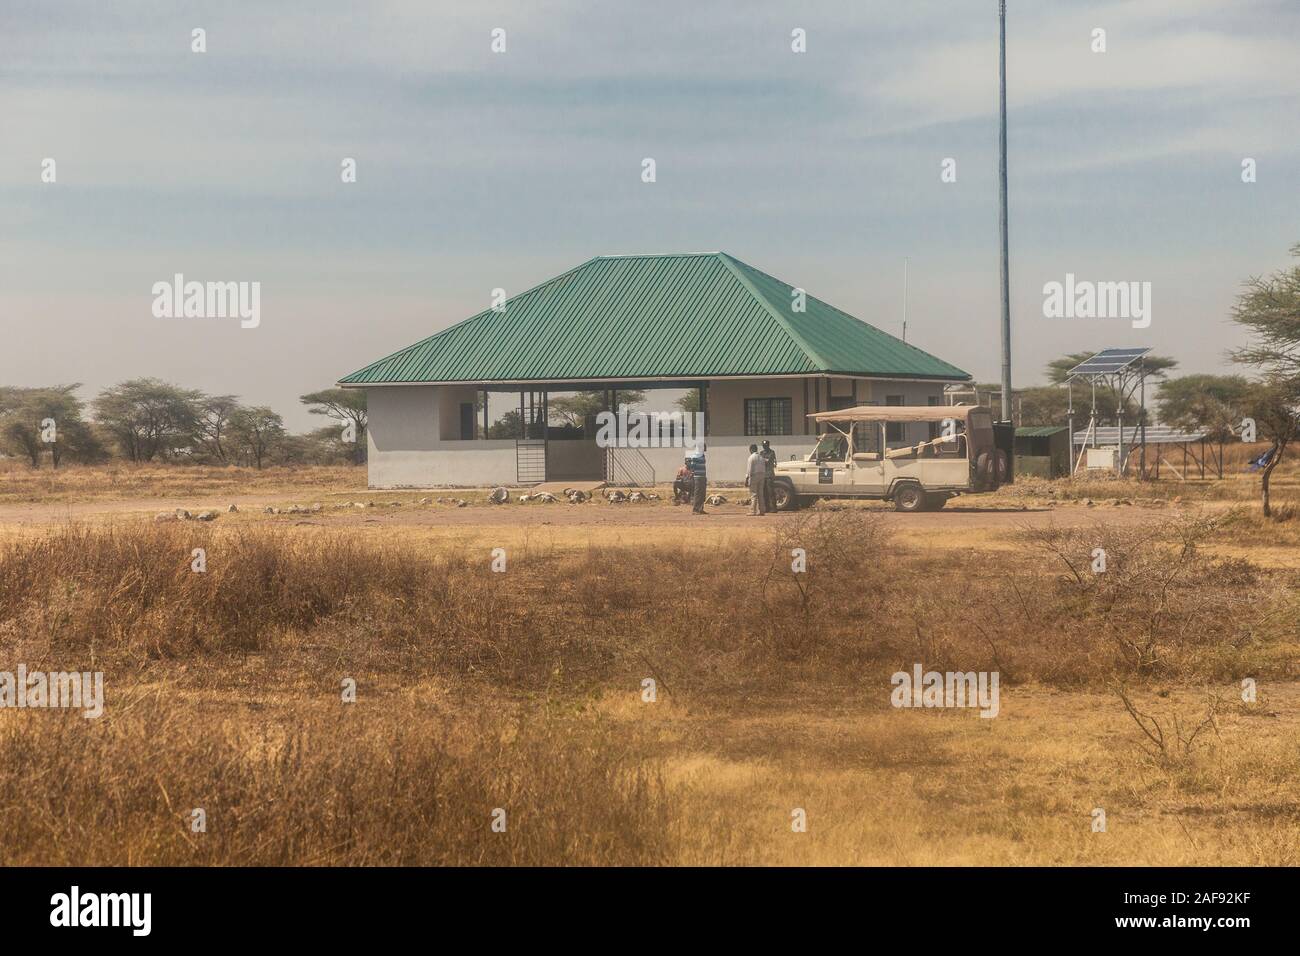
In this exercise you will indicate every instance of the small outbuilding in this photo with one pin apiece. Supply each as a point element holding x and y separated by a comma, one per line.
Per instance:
<point>1043,450</point>
<point>762,354</point>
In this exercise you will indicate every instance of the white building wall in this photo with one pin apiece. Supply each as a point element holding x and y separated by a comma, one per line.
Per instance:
<point>406,448</point>
<point>727,455</point>
<point>408,424</point>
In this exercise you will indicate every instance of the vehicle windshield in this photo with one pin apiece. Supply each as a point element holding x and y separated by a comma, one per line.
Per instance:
<point>831,447</point>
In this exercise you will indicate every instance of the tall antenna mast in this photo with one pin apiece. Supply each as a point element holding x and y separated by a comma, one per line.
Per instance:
<point>1002,209</point>
<point>904,298</point>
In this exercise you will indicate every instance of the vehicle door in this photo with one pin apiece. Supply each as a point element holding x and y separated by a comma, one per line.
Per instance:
<point>833,465</point>
<point>867,462</point>
<point>946,465</point>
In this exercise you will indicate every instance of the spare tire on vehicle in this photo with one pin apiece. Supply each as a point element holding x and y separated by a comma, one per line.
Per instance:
<point>1002,468</point>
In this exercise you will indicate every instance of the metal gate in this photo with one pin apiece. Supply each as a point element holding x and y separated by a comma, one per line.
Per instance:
<point>629,466</point>
<point>530,460</point>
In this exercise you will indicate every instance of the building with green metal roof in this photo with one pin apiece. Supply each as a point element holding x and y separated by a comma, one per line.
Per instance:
<point>763,354</point>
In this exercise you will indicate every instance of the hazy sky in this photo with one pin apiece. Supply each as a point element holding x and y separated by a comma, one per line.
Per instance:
<point>479,170</point>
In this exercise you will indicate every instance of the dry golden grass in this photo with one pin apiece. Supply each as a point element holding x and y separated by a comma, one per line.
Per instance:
<point>1237,484</point>
<point>522,690</point>
<point>325,784</point>
<point>21,483</point>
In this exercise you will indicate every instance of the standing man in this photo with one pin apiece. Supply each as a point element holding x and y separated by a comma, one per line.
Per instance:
<point>754,472</point>
<point>769,476</point>
<point>699,480</point>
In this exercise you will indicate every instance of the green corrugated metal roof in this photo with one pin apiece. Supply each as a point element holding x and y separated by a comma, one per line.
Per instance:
<point>654,317</point>
<point>1039,431</point>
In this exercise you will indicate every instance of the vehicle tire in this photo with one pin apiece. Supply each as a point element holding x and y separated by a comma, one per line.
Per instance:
<point>933,502</point>
<point>909,497</point>
<point>1001,467</point>
<point>984,471</point>
<point>783,496</point>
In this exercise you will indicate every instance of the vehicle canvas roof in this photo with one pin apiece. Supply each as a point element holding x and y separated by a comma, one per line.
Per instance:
<point>897,413</point>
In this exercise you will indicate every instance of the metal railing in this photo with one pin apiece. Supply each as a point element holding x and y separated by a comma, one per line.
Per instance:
<point>628,466</point>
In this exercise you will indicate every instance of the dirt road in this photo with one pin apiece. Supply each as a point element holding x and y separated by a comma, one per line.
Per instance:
<point>955,526</point>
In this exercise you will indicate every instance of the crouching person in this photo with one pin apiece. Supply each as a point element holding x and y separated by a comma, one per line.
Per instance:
<point>682,493</point>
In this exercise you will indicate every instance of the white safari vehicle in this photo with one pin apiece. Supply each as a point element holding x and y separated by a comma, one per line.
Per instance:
<point>859,455</point>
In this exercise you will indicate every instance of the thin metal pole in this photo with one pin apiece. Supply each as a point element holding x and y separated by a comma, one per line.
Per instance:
<point>904,298</point>
<point>1002,209</point>
<point>1119,416</point>
<point>1142,416</point>
<point>1069,385</point>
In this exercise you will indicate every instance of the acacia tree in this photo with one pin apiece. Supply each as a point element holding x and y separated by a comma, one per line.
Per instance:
<point>348,407</point>
<point>691,401</point>
<point>34,420</point>
<point>577,409</point>
<point>214,418</point>
<point>147,417</point>
<point>1269,310</point>
<point>255,432</point>
<point>1275,407</point>
<point>1214,404</point>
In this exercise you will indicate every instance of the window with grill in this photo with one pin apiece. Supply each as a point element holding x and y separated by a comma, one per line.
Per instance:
<point>767,416</point>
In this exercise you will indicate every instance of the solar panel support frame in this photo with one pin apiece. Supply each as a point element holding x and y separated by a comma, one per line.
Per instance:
<point>1124,372</point>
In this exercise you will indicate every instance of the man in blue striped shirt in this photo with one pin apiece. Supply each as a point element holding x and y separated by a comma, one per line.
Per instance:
<point>699,480</point>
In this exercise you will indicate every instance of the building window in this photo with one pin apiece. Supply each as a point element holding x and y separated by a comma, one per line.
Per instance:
<point>935,427</point>
<point>767,416</point>
<point>466,421</point>
<point>893,430</point>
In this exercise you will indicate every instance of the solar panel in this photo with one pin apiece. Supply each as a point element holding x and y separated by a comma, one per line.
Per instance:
<point>1109,361</point>
<point>1156,435</point>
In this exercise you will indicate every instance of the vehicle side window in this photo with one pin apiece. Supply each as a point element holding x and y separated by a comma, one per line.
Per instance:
<point>866,438</point>
<point>952,449</point>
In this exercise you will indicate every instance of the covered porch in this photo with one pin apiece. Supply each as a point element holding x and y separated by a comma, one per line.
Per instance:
<point>512,433</point>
